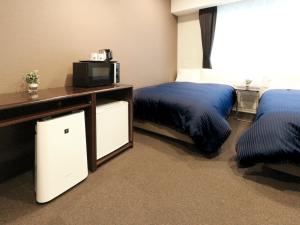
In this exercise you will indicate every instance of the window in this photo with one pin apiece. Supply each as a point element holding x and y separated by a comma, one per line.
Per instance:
<point>258,38</point>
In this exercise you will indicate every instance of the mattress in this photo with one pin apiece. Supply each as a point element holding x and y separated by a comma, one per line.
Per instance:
<point>197,110</point>
<point>275,134</point>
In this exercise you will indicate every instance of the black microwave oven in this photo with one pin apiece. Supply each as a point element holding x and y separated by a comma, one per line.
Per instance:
<point>95,73</point>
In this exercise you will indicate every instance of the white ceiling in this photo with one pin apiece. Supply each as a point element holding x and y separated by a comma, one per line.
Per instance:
<point>183,7</point>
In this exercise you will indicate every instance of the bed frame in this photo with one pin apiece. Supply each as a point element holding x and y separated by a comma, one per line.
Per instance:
<point>162,130</point>
<point>288,168</point>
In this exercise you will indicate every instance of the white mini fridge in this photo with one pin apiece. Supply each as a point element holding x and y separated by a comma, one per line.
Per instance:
<point>61,157</point>
<point>112,127</point>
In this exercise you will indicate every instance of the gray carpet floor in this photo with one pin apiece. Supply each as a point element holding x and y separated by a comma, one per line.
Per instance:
<point>160,181</point>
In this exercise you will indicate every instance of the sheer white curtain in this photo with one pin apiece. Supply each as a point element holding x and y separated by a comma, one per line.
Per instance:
<point>258,39</point>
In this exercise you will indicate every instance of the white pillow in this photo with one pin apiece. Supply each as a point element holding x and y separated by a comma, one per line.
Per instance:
<point>285,82</point>
<point>188,75</point>
<point>210,76</point>
<point>215,77</point>
<point>204,76</point>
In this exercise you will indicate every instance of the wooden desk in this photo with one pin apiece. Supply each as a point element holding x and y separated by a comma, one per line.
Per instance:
<point>16,108</point>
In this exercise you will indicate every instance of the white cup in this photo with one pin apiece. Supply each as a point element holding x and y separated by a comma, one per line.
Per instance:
<point>94,56</point>
<point>101,57</point>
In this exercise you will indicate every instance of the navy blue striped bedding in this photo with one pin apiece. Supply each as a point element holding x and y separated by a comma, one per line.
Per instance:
<point>275,134</point>
<point>198,110</point>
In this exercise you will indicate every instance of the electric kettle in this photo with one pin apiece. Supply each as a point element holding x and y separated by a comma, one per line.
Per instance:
<point>106,53</point>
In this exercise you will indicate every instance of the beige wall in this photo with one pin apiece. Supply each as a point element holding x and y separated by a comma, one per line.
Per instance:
<point>189,45</point>
<point>50,35</point>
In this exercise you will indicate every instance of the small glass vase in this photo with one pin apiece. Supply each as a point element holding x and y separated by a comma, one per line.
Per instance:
<point>33,88</point>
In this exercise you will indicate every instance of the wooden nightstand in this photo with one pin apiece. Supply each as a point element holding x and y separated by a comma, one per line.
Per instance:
<point>247,100</point>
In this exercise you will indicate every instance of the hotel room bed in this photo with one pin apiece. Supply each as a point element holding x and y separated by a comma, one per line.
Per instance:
<point>196,109</point>
<point>275,134</point>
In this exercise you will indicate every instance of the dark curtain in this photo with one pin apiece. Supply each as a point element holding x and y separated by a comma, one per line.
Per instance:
<point>207,19</point>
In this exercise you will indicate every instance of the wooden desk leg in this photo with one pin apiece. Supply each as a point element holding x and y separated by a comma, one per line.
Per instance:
<point>130,101</point>
<point>90,123</point>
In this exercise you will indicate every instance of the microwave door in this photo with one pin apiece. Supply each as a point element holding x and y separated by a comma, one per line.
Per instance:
<point>100,74</point>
